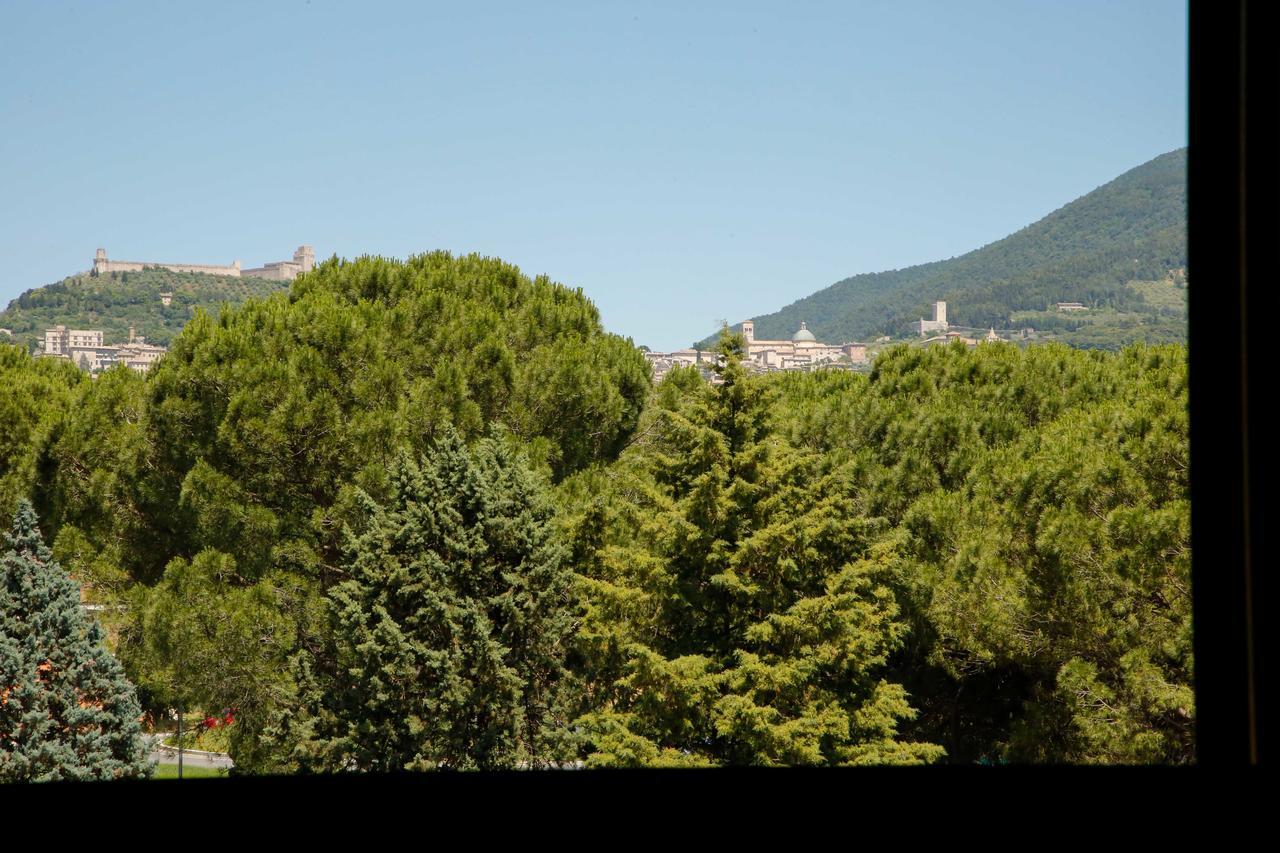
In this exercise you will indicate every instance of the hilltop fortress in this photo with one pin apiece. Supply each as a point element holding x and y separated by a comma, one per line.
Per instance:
<point>304,259</point>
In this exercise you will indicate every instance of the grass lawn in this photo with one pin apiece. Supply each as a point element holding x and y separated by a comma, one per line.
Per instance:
<point>170,771</point>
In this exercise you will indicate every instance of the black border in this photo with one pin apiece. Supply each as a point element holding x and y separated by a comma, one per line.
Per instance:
<point>1233,184</point>
<point>1231,188</point>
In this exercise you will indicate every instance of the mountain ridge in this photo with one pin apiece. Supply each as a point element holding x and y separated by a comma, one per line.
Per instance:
<point>1090,250</point>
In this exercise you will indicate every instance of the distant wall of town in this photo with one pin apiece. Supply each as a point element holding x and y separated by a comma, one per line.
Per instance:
<point>303,261</point>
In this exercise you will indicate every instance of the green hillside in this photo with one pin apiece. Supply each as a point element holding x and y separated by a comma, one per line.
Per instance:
<point>1113,250</point>
<point>116,301</point>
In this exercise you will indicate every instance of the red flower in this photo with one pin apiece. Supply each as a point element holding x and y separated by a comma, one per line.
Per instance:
<point>210,722</point>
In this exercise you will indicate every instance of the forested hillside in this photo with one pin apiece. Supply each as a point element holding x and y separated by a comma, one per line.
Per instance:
<point>429,514</point>
<point>116,301</point>
<point>1104,249</point>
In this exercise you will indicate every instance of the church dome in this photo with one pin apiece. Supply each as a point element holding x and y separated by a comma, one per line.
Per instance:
<point>803,336</point>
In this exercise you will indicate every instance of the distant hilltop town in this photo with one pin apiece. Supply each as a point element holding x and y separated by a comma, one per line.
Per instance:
<point>304,259</point>
<point>86,350</point>
<point>805,352</point>
<point>802,352</point>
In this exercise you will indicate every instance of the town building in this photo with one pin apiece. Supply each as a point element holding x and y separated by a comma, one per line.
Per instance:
<point>663,362</point>
<point>801,351</point>
<point>86,350</point>
<point>60,340</point>
<point>1071,306</point>
<point>857,353</point>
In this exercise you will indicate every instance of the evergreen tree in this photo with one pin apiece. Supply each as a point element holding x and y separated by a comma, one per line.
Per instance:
<point>738,612</point>
<point>66,709</point>
<point>1043,501</point>
<point>448,639</point>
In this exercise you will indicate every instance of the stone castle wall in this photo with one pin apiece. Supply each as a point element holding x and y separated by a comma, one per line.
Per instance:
<point>303,261</point>
<point>105,266</point>
<point>282,271</point>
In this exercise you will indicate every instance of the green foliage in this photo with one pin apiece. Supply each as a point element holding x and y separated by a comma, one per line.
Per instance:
<point>116,301</point>
<point>448,640</point>
<point>239,458</point>
<point>35,395</point>
<point>66,708</point>
<point>206,637</point>
<point>738,611</point>
<point>1043,499</point>
<point>984,551</point>
<point>1088,251</point>
<point>264,422</point>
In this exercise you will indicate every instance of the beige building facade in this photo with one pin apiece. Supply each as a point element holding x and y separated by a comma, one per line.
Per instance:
<point>802,350</point>
<point>86,350</point>
<point>60,340</point>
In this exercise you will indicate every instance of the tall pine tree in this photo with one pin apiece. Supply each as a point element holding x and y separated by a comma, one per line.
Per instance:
<point>66,709</point>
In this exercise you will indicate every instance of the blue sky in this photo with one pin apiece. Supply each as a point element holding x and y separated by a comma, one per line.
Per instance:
<point>682,163</point>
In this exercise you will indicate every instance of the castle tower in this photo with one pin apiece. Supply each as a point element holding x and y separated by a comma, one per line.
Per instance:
<point>748,330</point>
<point>99,260</point>
<point>305,258</point>
<point>940,313</point>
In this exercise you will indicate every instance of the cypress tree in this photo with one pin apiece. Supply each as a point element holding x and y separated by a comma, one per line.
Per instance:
<point>66,709</point>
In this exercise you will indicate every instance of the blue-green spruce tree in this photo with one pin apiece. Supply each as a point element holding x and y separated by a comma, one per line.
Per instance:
<point>67,712</point>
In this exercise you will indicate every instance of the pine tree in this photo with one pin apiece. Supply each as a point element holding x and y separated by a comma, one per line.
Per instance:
<point>738,612</point>
<point>66,709</point>
<point>448,640</point>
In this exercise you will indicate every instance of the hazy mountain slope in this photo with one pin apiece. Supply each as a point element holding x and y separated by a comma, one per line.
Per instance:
<point>1090,251</point>
<point>116,301</point>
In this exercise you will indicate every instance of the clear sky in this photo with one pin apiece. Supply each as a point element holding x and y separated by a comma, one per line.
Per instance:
<point>680,162</point>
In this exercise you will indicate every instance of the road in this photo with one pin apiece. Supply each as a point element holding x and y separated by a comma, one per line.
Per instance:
<point>169,755</point>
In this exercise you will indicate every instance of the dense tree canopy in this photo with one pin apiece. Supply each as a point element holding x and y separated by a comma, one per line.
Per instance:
<point>739,610</point>
<point>449,638</point>
<point>1044,503</point>
<point>962,555</point>
<point>227,474</point>
<point>35,398</point>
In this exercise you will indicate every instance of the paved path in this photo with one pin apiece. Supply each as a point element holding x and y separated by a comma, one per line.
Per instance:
<point>169,755</point>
